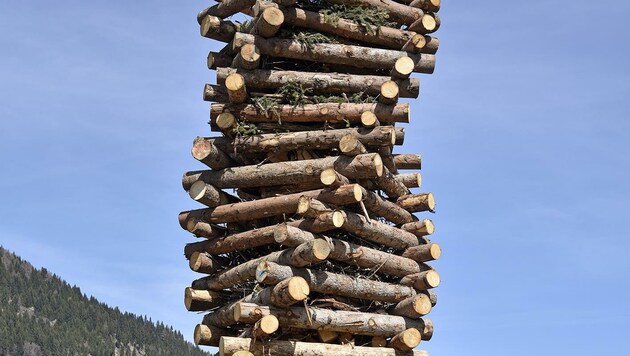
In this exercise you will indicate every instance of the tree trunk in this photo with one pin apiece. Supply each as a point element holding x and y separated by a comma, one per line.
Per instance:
<point>320,83</point>
<point>322,319</point>
<point>325,222</point>
<point>423,280</point>
<point>208,335</point>
<point>264,327</point>
<point>229,346</point>
<point>267,207</point>
<point>348,55</point>
<point>300,256</point>
<point>406,340</point>
<point>413,307</point>
<point>240,241</point>
<point>204,263</point>
<point>294,172</point>
<point>335,284</point>
<point>307,140</point>
<point>200,300</point>
<point>390,185</point>
<point>379,233</point>
<point>380,207</point>
<point>378,261</point>
<point>397,12</point>
<point>417,202</point>
<point>423,253</point>
<point>209,195</point>
<point>314,113</point>
<point>217,29</point>
<point>408,161</point>
<point>248,57</point>
<point>207,153</point>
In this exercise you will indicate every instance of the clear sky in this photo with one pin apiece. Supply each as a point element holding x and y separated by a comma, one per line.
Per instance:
<point>524,131</point>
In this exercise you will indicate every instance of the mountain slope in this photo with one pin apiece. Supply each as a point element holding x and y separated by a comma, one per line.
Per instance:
<point>40,314</point>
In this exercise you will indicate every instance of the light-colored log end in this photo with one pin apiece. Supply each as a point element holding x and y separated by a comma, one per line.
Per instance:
<point>321,249</point>
<point>432,279</point>
<point>242,353</point>
<point>203,335</point>
<point>226,121</point>
<point>390,90</point>
<point>268,324</point>
<point>429,226</point>
<point>422,304</point>
<point>436,251</point>
<point>358,192</point>
<point>201,149</point>
<point>338,218</point>
<point>378,163</point>
<point>431,202</point>
<point>369,119</point>
<point>327,336</point>
<point>298,289</point>
<point>406,340</point>
<point>403,67</point>
<point>197,190</point>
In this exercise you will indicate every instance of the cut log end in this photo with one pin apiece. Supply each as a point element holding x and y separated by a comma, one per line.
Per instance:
<point>338,219</point>
<point>235,85</point>
<point>403,67</point>
<point>422,304</point>
<point>268,325</point>
<point>389,91</point>
<point>406,340</point>
<point>436,251</point>
<point>369,119</point>
<point>432,279</point>
<point>378,163</point>
<point>204,335</point>
<point>226,121</point>
<point>298,289</point>
<point>321,249</point>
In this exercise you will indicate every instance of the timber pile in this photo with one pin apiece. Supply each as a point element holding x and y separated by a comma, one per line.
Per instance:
<point>308,240</point>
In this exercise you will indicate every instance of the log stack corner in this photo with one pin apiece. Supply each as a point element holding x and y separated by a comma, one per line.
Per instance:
<point>312,236</point>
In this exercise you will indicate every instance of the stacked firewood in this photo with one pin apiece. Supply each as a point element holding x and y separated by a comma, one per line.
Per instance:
<point>309,242</point>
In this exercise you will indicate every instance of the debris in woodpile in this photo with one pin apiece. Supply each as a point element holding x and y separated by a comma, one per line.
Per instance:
<point>309,239</point>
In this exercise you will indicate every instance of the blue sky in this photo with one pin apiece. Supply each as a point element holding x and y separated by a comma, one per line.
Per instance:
<point>524,130</point>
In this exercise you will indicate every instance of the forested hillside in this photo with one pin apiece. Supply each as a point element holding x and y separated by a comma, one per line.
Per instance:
<point>40,314</point>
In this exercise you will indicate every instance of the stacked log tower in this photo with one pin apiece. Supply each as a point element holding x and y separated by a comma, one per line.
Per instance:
<point>312,237</point>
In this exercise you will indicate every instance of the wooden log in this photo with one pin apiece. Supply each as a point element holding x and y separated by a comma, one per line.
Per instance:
<point>204,263</point>
<point>386,209</point>
<point>382,36</point>
<point>291,236</point>
<point>423,253</point>
<point>208,335</point>
<point>327,336</point>
<point>332,179</point>
<point>341,321</point>
<point>274,206</point>
<point>413,307</point>
<point>390,185</point>
<point>229,346</point>
<point>235,85</point>
<point>324,222</point>
<point>314,113</point>
<point>369,120</point>
<point>349,145</point>
<point>432,45</point>
<point>417,202</point>
<point>382,136</point>
<point>200,300</point>
<point>426,5</point>
<point>347,55</point>
<point>225,8</point>
<point>406,340</point>
<point>295,172</point>
<point>263,328</point>
<point>272,273</point>
<point>388,160</point>
<point>378,261</point>
<point>213,92</point>
<point>242,353</point>
<point>247,57</point>
<point>397,12</point>
<point>322,83</point>
<point>209,195</point>
<point>217,29</point>
<point>219,59</point>
<point>403,68</point>
<point>300,256</point>
<point>207,153</point>
<point>408,161</point>
<point>379,233</point>
<point>266,23</point>
<point>239,241</point>
<point>389,92</point>
<point>410,180</point>
<point>428,23</point>
<point>423,280</point>
<point>290,291</point>
<point>203,229</point>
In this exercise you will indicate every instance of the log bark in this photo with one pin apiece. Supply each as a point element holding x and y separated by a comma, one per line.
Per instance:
<point>417,202</point>
<point>413,307</point>
<point>406,340</point>
<point>325,222</point>
<point>337,284</point>
<point>291,236</point>
<point>423,253</point>
<point>410,180</point>
<point>204,263</point>
<point>274,206</point>
<point>397,12</point>
<point>213,92</point>
<point>426,5</point>
<point>388,159</point>
<point>208,335</point>
<point>295,172</point>
<point>308,140</point>
<point>311,113</point>
<point>200,300</point>
<point>300,256</point>
<point>332,179</point>
<point>369,120</point>
<point>225,8</point>
<point>390,185</point>
<point>263,328</point>
<point>379,233</point>
<point>218,59</point>
<point>408,161</point>
<point>203,229</point>
<point>348,55</point>
<point>229,346</point>
<point>266,23</point>
<point>322,319</point>
<point>321,83</point>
